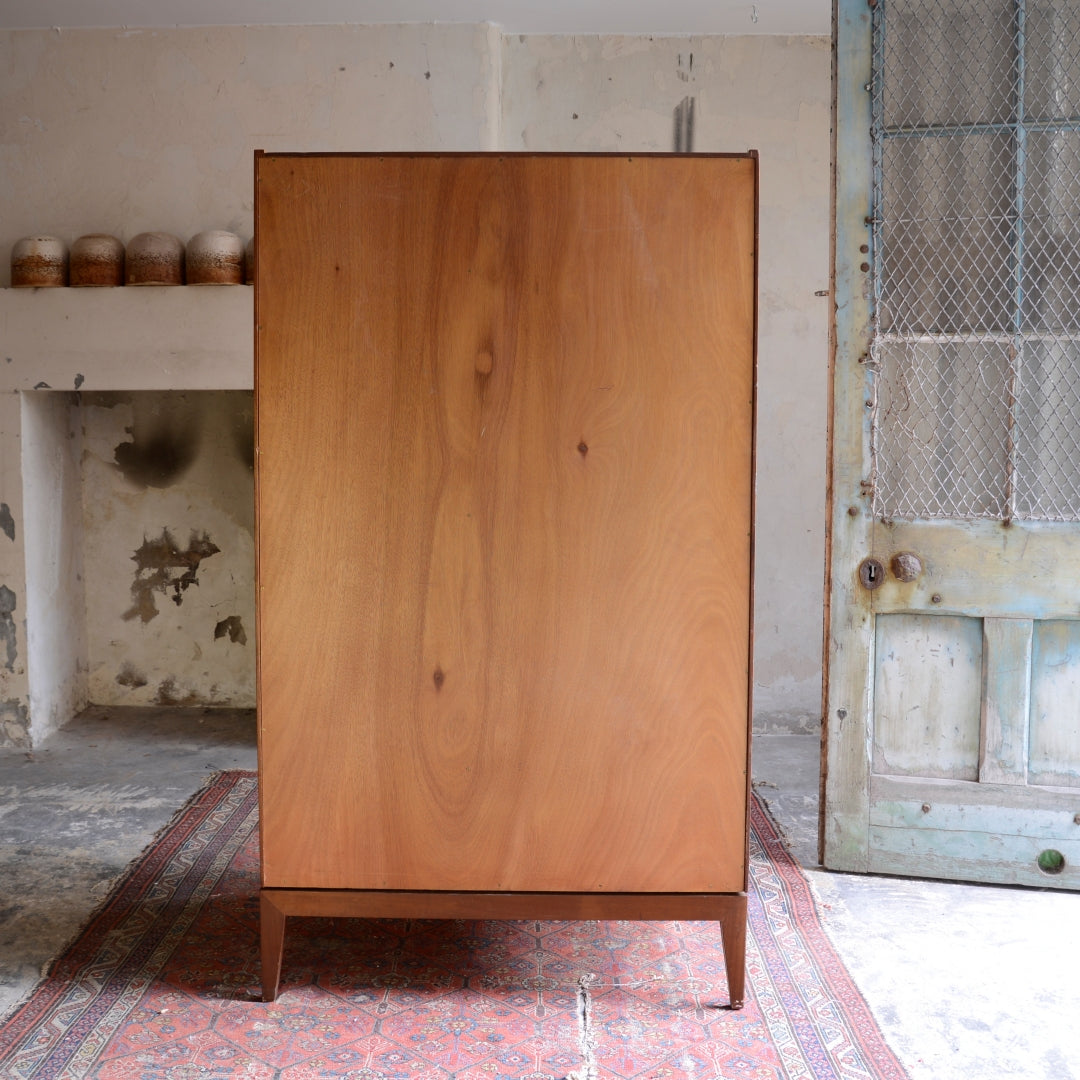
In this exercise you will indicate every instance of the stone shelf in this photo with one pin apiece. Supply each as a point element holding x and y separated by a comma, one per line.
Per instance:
<point>186,337</point>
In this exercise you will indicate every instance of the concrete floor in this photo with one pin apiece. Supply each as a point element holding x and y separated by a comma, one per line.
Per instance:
<point>965,980</point>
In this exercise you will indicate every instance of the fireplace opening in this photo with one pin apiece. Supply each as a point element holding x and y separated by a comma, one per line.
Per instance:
<point>140,566</point>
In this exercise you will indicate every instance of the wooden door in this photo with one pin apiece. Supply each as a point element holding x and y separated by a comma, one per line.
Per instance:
<point>953,690</point>
<point>504,413</point>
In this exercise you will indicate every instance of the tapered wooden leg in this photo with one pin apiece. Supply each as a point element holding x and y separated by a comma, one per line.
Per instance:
<point>733,934</point>
<point>272,934</point>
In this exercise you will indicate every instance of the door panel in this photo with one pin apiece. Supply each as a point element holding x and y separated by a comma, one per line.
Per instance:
<point>927,668</point>
<point>952,723</point>
<point>1054,750</point>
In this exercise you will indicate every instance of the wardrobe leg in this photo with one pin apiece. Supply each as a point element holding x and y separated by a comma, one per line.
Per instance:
<point>272,937</point>
<point>733,934</point>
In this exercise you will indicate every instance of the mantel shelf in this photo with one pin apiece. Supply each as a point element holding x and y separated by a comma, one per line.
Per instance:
<point>129,338</point>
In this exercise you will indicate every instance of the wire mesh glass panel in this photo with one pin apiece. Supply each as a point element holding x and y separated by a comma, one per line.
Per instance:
<point>1052,59</point>
<point>923,83</point>
<point>1048,431</point>
<point>946,233</point>
<point>1051,293</point>
<point>942,428</point>
<point>976,259</point>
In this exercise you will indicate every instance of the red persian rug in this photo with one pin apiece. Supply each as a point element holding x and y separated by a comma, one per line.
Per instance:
<point>163,985</point>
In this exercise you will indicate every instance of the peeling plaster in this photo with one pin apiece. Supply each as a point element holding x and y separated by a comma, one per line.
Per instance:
<point>233,626</point>
<point>14,723</point>
<point>7,626</point>
<point>7,522</point>
<point>157,564</point>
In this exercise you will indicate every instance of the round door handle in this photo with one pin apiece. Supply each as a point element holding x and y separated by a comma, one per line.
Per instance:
<point>905,566</point>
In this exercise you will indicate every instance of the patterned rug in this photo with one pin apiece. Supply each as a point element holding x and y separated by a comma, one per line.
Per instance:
<point>163,985</point>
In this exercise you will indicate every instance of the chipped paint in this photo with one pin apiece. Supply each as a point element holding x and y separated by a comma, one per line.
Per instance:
<point>7,522</point>
<point>8,633</point>
<point>233,628</point>
<point>14,723</point>
<point>161,566</point>
<point>212,500</point>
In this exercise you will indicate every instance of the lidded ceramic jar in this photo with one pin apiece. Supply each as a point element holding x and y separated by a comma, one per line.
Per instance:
<point>97,260</point>
<point>155,258</point>
<point>39,262</point>
<point>215,257</point>
<point>249,262</point>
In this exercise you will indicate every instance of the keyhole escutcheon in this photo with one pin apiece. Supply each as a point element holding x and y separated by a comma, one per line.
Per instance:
<point>871,574</point>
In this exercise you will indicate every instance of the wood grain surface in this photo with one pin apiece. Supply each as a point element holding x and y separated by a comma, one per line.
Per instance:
<point>504,484</point>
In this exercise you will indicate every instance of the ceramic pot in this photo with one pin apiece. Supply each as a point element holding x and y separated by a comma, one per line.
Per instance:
<point>97,260</point>
<point>215,257</point>
<point>39,262</point>
<point>249,262</point>
<point>155,258</point>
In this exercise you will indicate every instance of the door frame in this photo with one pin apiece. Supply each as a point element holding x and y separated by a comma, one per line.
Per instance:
<point>843,834</point>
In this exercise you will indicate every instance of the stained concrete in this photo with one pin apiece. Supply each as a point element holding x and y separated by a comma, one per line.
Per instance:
<point>965,980</point>
<point>77,810</point>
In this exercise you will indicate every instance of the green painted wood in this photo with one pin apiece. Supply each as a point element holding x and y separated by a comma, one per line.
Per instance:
<point>916,790</point>
<point>848,625</point>
<point>1006,701</point>
<point>929,667</point>
<point>981,724</point>
<point>943,815</point>
<point>970,855</point>
<point>1054,737</point>
<point>1028,570</point>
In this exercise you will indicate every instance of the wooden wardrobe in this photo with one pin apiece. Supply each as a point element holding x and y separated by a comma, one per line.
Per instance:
<point>505,429</point>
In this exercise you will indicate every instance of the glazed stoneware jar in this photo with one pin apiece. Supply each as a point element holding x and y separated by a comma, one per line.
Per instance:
<point>39,262</point>
<point>155,258</point>
<point>97,260</point>
<point>215,257</point>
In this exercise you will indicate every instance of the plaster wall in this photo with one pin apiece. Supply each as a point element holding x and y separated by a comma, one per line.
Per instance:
<point>54,595</point>
<point>168,518</point>
<point>127,131</point>
<point>770,94</point>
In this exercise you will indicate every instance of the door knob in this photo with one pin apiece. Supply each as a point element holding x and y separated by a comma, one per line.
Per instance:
<point>905,566</point>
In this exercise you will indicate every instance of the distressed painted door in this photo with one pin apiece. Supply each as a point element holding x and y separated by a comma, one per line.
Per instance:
<point>952,702</point>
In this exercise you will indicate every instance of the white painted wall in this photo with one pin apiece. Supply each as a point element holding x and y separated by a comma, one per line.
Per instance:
<point>54,596</point>
<point>125,131</point>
